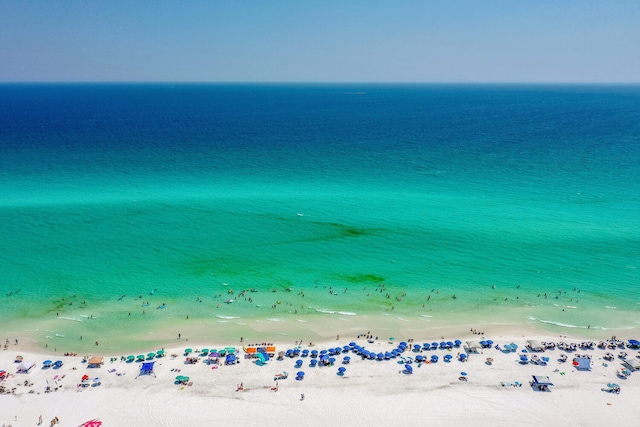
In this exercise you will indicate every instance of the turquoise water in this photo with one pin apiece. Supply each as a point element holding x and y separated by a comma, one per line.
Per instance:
<point>375,201</point>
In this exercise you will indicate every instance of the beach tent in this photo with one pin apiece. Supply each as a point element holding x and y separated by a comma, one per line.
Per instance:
<point>473,346</point>
<point>147,369</point>
<point>541,383</point>
<point>582,363</point>
<point>96,362</point>
<point>25,367</point>
<point>263,358</point>
<point>633,364</point>
<point>535,345</point>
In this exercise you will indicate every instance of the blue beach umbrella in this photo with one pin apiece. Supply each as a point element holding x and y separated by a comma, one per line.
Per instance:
<point>457,343</point>
<point>408,369</point>
<point>464,374</point>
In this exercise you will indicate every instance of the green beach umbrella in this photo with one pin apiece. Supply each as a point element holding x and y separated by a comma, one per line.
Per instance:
<point>222,352</point>
<point>230,350</point>
<point>131,357</point>
<point>160,352</point>
<point>140,357</point>
<point>188,350</point>
<point>204,351</point>
<point>151,355</point>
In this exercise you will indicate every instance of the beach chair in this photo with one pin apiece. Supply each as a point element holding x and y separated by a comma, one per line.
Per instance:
<point>612,388</point>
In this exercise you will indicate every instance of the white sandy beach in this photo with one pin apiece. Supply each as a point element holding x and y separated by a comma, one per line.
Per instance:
<point>370,392</point>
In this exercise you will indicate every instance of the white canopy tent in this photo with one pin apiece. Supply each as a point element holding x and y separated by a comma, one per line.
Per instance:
<point>24,367</point>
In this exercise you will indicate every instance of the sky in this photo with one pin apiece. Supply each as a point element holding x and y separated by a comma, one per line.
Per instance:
<point>492,41</point>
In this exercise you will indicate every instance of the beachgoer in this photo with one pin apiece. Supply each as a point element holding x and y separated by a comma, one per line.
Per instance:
<point>302,396</point>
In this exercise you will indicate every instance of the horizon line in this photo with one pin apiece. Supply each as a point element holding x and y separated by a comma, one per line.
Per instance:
<point>277,82</point>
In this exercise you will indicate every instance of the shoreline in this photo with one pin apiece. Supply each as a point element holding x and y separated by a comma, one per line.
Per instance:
<point>123,323</point>
<point>319,328</point>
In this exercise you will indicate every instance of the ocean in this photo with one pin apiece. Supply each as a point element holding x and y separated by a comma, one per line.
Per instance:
<point>297,208</point>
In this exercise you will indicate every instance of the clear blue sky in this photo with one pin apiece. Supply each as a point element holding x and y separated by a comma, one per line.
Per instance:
<point>321,41</point>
